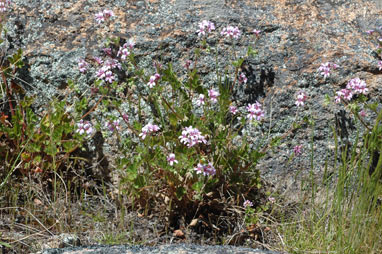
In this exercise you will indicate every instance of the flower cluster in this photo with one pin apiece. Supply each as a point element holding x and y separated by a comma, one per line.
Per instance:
<point>247,203</point>
<point>205,26</point>
<point>201,100</point>
<point>124,51</point>
<point>297,150</point>
<point>82,65</point>
<point>354,86</point>
<point>84,127</point>
<point>147,129</point>
<point>113,125</point>
<point>326,68</point>
<point>103,15</point>
<point>256,32</point>
<point>192,136</point>
<point>171,159</point>
<point>207,170</point>
<point>301,98</point>
<point>231,32</point>
<point>4,5</point>
<point>243,78</point>
<point>213,95</point>
<point>106,74</point>
<point>233,110</point>
<point>153,80</point>
<point>255,111</point>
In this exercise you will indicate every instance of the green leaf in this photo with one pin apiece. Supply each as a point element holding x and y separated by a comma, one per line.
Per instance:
<point>180,192</point>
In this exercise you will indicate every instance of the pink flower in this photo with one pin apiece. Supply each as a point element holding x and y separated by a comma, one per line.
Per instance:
<point>125,117</point>
<point>207,170</point>
<point>192,136</point>
<point>199,168</point>
<point>83,65</point>
<point>148,129</point>
<point>247,203</point>
<point>255,111</point>
<point>101,73</point>
<point>153,80</point>
<point>107,51</point>
<point>187,64</point>
<point>109,76</point>
<point>213,95</point>
<point>297,150</point>
<point>256,32</point>
<point>124,51</point>
<point>99,17</point>
<point>113,125</point>
<point>84,127</point>
<point>357,86</point>
<point>326,68</point>
<point>379,65</point>
<point>103,15</point>
<point>233,110</point>
<point>4,4</point>
<point>231,32</point>
<point>301,98</point>
<point>200,101</point>
<point>343,94</point>
<point>98,60</point>
<point>205,26</point>
<point>171,159</point>
<point>242,78</point>
<point>108,13</point>
<point>362,113</point>
<point>370,32</point>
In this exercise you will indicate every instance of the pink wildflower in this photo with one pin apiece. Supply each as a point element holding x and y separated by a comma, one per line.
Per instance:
<point>233,110</point>
<point>362,113</point>
<point>200,101</point>
<point>213,95</point>
<point>148,129</point>
<point>107,51</point>
<point>379,65</point>
<point>326,68</point>
<point>343,94</point>
<point>301,98</point>
<point>153,80</point>
<point>113,125</point>
<point>205,26</point>
<point>357,86</point>
<point>83,65</point>
<point>297,150</point>
<point>255,111</point>
<point>256,32</point>
<point>192,136</point>
<point>102,16</point>
<point>171,159</point>
<point>231,32</point>
<point>247,203</point>
<point>4,4</point>
<point>242,78</point>
<point>98,60</point>
<point>207,170</point>
<point>84,127</point>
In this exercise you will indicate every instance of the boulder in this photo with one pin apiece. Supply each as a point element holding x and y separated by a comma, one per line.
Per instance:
<point>296,37</point>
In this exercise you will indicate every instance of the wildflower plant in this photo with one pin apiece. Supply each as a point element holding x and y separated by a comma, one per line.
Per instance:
<point>181,142</point>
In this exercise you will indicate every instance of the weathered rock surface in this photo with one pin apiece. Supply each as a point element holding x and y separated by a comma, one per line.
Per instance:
<point>168,249</point>
<point>298,35</point>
